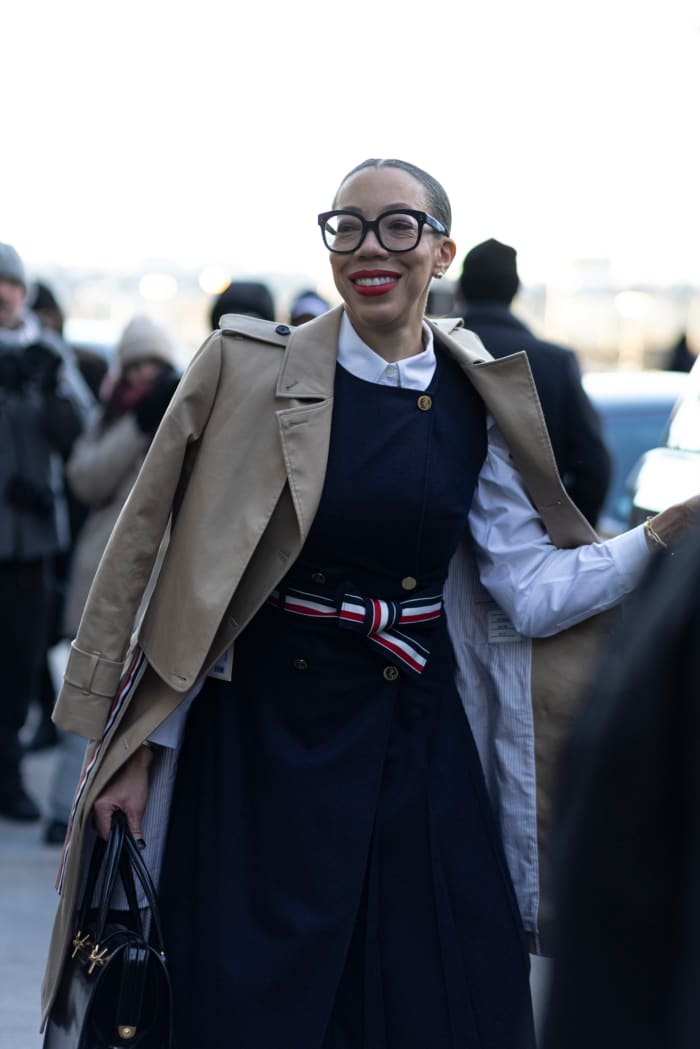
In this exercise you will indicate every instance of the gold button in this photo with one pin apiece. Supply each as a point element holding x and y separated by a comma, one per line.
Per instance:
<point>425,402</point>
<point>300,664</point>
<point>390,673</point>
<point>318,577</point>
<point>408,583</point>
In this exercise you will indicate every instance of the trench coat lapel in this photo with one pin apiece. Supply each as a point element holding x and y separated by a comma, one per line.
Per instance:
<point>496,381</point>
<point>307,376</point>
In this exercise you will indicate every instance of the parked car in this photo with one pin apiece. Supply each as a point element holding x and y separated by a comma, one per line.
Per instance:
<point>634,409</point>
<point>670,473</point>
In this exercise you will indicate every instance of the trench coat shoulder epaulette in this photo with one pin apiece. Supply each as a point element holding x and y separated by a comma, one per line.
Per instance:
<point>241,326</point>
<point>469,340</point>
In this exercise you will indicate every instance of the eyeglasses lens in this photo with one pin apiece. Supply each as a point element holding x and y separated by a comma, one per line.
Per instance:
<point>397,232</point>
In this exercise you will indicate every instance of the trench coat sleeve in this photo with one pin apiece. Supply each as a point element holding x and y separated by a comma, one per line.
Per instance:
<point>97,655</point>
<point>101,459</point>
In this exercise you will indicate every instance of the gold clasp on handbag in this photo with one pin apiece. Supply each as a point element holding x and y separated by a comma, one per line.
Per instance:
<point>97,957</point>
<point>126,1032</point>
<point>80,943</point>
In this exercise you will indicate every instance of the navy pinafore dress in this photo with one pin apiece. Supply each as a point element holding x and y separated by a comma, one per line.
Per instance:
<point>333,876</point>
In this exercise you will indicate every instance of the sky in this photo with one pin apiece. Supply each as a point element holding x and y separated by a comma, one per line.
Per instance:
<point>209,133</point>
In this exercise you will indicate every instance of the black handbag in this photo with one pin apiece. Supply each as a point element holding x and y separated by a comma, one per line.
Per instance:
<point>115,990</point>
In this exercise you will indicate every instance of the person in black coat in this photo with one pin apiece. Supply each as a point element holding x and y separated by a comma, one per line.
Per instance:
<point>488,284</point>
<point>627,966</point>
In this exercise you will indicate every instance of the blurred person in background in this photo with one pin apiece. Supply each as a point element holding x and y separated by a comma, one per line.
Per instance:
<point>488,284</point>
<point>247,297</point>
<point>44,305</point>
<point>44,404</point>
<point>682,355</point>
<point>93,367</point>
<point>101,471</point>
<point>92,364</point>
<point>306,306</point>
<point>626,972</point>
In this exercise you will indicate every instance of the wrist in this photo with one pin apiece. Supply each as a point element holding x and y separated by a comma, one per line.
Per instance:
<point>143,755</point>
<point>655,541</point>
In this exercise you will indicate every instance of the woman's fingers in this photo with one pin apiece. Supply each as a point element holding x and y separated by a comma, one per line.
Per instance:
<point>127,791</point>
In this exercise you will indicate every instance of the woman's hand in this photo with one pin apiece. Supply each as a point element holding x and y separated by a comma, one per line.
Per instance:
<point>127,791</point>
<point>672,524</point>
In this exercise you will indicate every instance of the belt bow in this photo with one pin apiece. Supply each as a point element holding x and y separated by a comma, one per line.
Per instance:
<point>377,620</point>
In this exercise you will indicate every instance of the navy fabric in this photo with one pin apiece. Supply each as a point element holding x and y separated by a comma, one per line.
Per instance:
<point>333,877</point>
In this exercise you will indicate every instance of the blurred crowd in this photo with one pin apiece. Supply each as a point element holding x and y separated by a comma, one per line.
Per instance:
<point>76,427</point>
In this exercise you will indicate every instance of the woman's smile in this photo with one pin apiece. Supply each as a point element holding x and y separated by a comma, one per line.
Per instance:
<point>374,282</point>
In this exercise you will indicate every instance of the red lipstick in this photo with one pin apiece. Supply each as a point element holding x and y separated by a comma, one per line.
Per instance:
<point>371,283</point>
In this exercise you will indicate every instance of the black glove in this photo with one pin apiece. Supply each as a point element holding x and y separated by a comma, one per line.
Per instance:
<point>23,494</point>
<point>60,422</point>
<point>41,364</point>
<point>152,406</point>
<point>12,375</point>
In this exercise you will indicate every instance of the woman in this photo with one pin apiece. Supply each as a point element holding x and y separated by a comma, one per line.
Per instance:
<point>103,466</point>
<point>333,874</point>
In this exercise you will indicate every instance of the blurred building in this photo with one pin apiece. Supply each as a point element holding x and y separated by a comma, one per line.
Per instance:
<point>610,325</point>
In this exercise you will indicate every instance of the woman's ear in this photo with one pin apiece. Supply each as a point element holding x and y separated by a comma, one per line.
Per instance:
<point>447,249</point>
<point>446,253</point>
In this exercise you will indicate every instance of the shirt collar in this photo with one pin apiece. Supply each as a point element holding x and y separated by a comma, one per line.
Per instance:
<point>413,373</point>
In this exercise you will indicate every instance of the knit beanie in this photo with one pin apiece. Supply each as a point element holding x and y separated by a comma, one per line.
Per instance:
<point>307,304</point>
<point>11,265</point>
<point>42,298</point>
<point>489,273</point>
<point>249,297</point>
<point>144,340</point>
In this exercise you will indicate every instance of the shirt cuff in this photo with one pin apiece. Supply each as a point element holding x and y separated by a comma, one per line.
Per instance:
<point>631,554</point>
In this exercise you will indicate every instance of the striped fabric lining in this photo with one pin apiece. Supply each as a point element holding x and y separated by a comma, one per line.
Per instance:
<point>376,620</point>
<point>124,691</point>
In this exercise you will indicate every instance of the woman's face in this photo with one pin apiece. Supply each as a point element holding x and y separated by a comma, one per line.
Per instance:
<point>141,373</point>
<point>384,292</point>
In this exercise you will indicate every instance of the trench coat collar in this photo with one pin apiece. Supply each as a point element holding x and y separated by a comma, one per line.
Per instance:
<point>308,368</point>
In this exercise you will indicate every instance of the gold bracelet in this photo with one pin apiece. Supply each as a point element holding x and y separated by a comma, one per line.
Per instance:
<point>652,535</point>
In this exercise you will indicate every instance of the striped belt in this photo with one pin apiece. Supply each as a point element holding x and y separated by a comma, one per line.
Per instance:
<point>378,621</point>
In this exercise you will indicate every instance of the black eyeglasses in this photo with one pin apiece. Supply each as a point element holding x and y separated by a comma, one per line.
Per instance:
<point>397,230</point>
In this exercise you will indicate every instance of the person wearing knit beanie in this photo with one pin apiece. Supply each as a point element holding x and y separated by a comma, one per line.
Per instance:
<point>11,266</point>
<point>306,306</point>
<point>488,284</point>
<point>144,340</point>
<point>13,288</point>
<point>489,273</point>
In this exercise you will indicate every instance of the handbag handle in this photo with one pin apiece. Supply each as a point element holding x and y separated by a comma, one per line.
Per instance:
<point>105,856</point>
<point>119,855</point>
<point>132,863</point>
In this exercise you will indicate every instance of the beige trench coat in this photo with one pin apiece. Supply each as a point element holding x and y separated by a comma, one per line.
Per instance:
<point>238,463</point>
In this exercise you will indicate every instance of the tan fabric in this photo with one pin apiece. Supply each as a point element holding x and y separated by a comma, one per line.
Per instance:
<point>239,460</point>
<point>101,472</point>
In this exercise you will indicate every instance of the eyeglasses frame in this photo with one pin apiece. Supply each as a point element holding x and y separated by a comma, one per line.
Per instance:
<point>422,217</point>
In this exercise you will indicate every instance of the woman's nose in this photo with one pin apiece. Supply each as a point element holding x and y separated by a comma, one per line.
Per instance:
<point>370,245</point>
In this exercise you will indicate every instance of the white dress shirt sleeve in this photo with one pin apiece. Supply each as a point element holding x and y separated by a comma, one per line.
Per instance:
<point>543,589</point>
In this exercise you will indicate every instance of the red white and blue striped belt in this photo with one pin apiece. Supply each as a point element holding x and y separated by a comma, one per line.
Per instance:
<point>377,620</point>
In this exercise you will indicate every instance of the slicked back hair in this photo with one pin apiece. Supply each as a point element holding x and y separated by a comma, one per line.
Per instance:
<point>438,201</point>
